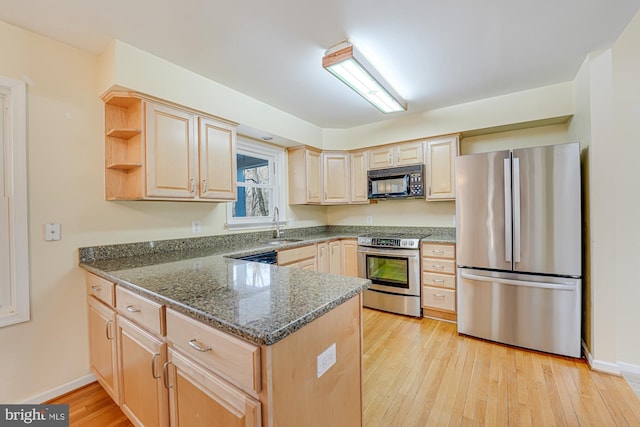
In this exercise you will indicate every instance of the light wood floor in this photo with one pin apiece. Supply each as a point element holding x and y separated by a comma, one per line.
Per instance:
<point>422,373</point>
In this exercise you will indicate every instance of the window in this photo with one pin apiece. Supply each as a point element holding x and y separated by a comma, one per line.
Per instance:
<point>14,267</point>
<point>260,170</point>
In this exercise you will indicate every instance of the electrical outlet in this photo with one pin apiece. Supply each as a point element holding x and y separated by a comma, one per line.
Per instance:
<point>369,219</point>
<point>196,227</point>
<point>326,359</point>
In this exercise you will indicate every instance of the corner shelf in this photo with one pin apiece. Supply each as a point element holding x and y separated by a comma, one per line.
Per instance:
<point>124,133</point>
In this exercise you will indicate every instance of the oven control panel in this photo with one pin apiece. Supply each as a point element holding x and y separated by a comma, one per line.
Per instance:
<point>389,242</point>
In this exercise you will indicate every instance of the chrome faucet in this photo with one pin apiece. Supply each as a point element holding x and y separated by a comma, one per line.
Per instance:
<point>276,221</point>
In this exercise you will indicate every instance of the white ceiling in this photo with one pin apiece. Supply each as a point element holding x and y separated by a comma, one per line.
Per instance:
<point>435,53</point>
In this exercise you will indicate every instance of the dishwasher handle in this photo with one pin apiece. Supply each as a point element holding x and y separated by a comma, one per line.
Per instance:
<point>554,286</point>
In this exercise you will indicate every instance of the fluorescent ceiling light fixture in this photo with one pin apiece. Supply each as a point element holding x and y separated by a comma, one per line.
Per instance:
<point>347,64</point>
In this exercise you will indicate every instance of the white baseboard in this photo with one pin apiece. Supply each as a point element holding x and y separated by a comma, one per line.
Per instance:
<point>598,365</point>
<point>60,390</point>
<point>629,369</point>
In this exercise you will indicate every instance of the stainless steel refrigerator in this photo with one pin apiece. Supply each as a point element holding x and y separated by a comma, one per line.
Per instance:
<point>519,246</point>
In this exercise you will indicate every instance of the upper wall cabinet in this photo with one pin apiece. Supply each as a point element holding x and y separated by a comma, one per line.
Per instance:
<point>335,177</point>
<point>359,162</point>
<point>305,176</point>
<point>408,153</point>
<point>159,151</point>
<point>441,156</point>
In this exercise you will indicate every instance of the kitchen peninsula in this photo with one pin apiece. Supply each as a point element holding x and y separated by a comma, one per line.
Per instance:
<point>181,332</point>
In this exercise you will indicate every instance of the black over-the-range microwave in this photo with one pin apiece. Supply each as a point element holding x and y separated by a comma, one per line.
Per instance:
<point>396,183</point>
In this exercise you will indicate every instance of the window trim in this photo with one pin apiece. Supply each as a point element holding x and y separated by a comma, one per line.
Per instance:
<point>252,147</point>
<point>15,160</point>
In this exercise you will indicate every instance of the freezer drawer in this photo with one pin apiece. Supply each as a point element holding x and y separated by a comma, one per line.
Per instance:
<point>535,312</point>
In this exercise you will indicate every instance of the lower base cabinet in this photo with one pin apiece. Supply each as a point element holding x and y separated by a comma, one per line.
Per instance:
<point>143,397</point>
<point>197,397</point>
<point>103,352</point>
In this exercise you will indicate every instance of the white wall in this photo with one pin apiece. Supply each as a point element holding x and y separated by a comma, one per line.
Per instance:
<point>626,139</point>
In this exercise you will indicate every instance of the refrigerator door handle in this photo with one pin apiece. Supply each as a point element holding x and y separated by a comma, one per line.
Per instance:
<point>553,286</point>
<point>507,210</point>
<point>516,209</point>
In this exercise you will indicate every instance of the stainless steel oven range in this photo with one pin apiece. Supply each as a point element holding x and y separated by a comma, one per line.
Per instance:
<point>392,263</point>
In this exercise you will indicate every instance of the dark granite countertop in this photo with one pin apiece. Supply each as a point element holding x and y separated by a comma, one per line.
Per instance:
<point>260,302</point>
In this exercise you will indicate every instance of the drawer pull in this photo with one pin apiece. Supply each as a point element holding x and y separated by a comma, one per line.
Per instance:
<point>96,288</point>
<point>438,267</point>
<point>133,309</point>
<point>439,296</point>
<point>165,374</point>
<point>438,281</point>
<point>153,366</point>
<point>435,252</point>
<point>195,344</point>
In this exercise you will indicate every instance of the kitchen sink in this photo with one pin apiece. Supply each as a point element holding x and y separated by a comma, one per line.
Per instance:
<point>282,241</point>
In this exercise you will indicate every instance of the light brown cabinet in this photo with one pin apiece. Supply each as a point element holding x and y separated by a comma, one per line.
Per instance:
<point>438,281</point>
<point>160,151</point>
<point>402,154</point>
<point>305,175</point>
<point>326,178</point>
<point>200,398</point>
<point>144,399</point>
<point>335,177</point>
<point>359,161</point>
<point>103,351</point>
<point>301,257</point>
<point>335,257</point>
<point>349,249</point>
<point>440,175</point>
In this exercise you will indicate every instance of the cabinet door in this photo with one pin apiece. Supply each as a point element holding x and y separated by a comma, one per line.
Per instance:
<point>441,156</point>
<point>335,257</point>
<point>144,398</point>
<point>335,173</point>
<point>314,168</point>
<point>358,181</point>
<point>103,355</point>
<point>217,160</point>
<point>171,152</point>
<point>349,257</point>
<point>323,257</point>
<point>197,397</point>
<point>409,154</point>
<point>381,157</point>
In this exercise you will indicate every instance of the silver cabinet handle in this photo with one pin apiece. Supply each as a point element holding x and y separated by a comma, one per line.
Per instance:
<point>437,252</point>
<point>438,281</point>
<point>438,267</point>
<point>165,374</point>
<point>96,288</point>
<point>195,344</point>
<point>204,185</point>
<point>107,329</point>
<point>133,309</point>
<point>193,185</point>
<point>153,366</point>
<point>398,157</point>
<point>439,296</point>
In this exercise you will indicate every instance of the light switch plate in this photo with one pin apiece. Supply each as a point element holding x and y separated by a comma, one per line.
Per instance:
<point>52,231</point>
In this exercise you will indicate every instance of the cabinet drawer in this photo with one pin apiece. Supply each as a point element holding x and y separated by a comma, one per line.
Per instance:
<point>146,313</point>
<point>438,280</point>
<point>438,251</point>
<point>288,256</point>
<point>233,359</point>
<point>441,299</point>
<point>443,266</point>
<point>101,288</point>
